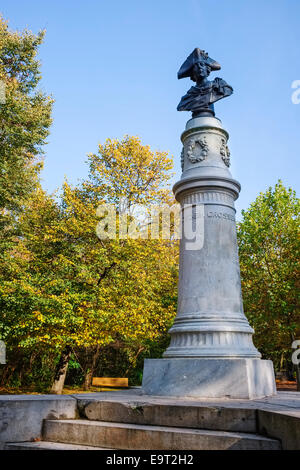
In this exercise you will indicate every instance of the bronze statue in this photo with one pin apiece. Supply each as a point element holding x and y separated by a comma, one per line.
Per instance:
<point>200,98</point>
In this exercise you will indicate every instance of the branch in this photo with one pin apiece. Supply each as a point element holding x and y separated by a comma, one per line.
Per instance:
<point>105,272</point>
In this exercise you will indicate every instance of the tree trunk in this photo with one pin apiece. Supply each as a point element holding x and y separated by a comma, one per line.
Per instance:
<point>7,374</point>
<point>88,376</point>
<point>90,371</point>
<point>4,373</point>
<point>61,371</point>
<point>141,349</point>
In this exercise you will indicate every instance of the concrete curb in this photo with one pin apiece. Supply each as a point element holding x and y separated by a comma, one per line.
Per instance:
<point>22,416</point>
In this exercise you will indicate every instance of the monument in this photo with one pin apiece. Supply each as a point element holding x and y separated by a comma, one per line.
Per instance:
<point>211,353</point>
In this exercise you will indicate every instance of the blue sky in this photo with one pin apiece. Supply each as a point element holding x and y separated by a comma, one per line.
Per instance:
<point>112,69</point>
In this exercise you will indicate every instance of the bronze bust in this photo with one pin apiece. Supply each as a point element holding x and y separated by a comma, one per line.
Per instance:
<point>200,98</point>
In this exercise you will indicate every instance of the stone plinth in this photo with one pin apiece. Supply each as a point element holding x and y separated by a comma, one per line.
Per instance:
<point>211,339</point>
<point>209,378</point>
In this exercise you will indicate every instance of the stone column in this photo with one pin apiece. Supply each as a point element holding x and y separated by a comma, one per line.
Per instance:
<point>211,353</point>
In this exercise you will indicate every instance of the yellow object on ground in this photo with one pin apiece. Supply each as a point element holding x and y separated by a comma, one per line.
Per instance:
<point>109,382</point>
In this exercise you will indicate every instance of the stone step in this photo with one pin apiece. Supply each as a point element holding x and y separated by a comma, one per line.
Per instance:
<point>144,437</point>
<point>46,445</point>
<point>187,415</point>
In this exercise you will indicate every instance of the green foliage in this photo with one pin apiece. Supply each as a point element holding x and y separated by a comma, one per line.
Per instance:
<point>269,250</point>
<point>25,118</point>
<point>63,286</point>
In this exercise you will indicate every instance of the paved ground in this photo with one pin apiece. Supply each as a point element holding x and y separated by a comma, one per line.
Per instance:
<point>282,402</point>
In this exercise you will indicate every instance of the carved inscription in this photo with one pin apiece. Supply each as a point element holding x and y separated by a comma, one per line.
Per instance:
<point>220,215</point>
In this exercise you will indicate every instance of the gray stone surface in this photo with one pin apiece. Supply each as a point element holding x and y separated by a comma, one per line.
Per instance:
<point>211,335</point>
<point>44,445</point>
<point>21,416</point>
<point>276,416</point>
<point>187,415</point>
<point>283,401</point>
<point>133,436</point>
<point>209,378</point>
<point>284,426</point>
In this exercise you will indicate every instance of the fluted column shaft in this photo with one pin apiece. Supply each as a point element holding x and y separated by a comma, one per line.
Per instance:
<point>210,321</point>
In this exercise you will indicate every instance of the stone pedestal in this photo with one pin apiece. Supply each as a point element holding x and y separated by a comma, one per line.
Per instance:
<point>211,353</point>
<point>209,378</point>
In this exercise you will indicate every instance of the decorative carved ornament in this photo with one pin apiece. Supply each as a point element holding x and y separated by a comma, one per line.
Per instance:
<point>182,158</point>
<point>225,153</point>
<point>197,149</point>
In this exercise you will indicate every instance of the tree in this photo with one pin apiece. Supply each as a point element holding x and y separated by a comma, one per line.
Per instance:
<point>25,118</point>
<point>126,282</point>
<point>268,237</point>
<point>127,169</point>
<point>68,292</point>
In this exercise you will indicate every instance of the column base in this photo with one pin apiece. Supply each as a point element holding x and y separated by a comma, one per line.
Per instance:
<point>209,378</point>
